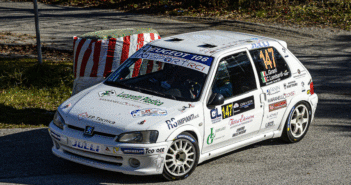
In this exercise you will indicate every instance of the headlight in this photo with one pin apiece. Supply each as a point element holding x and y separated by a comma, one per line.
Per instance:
<point>58,120</point>
<point>138,137</point>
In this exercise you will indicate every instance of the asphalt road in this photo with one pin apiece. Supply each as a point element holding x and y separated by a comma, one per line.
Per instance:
<point>322,157</point>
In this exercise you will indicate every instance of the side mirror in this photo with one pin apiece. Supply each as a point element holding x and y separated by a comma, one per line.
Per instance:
<point>216,99</point>
<point>124,72</point>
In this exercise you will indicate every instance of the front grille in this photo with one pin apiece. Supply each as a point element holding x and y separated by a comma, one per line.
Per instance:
<point>97,133</point>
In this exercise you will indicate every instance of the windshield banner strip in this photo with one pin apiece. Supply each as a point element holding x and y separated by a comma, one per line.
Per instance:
<point>195,62</point>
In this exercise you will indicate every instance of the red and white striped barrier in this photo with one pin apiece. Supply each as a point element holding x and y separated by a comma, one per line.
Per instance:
<point>95,58</point>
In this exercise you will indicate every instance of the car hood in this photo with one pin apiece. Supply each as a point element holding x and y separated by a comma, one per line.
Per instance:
<point>114,110</point>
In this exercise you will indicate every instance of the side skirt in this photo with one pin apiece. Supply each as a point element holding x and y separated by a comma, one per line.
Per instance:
<point>235,146</point>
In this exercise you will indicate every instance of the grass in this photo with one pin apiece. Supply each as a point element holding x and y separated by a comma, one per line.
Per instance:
<point>30,93</point>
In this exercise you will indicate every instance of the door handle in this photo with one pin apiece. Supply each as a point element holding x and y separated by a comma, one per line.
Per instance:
<point>263,97</point>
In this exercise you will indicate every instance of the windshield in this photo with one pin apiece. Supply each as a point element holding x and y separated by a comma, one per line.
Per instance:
<point>163,72</point>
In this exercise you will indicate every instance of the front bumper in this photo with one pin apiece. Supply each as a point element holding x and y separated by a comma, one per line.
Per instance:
<point>104,153</point>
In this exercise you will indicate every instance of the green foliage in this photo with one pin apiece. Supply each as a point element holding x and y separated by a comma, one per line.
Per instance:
<point>30,93</point>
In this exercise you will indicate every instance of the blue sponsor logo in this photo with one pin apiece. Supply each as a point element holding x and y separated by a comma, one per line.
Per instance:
<point>133,150</point>
<point>260,45</point>
<point>86,146</point>
<point>215,116</point>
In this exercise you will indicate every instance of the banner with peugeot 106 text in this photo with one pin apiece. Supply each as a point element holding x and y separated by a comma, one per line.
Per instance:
<point>196,62</point>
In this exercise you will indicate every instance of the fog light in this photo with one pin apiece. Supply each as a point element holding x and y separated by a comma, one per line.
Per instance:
<point>57,146</point>
<point>134,162</point>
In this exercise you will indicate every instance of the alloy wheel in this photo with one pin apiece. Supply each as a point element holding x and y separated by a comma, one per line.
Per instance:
<point>180,157</point>
<point>299,121</point>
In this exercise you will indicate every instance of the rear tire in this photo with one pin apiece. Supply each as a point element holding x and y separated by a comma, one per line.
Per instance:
<point>181,158</point>
<point>297,123</point>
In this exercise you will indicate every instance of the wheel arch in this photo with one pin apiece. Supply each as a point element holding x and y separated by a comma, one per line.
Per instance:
<point>186,128</point>
<point>291,104</point>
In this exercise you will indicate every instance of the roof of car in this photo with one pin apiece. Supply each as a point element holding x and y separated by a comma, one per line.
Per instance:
<point>210,42</point>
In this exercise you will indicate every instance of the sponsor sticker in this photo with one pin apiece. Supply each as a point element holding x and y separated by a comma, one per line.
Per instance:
<point>85,145</point>
<point>272,76</point>
<point>240,121</point>
<point>93,118</point>
<point>299,74</point>
<point>154,150</point>
<point>107,93</point>
<point>290,94</point>
<point>260,45</point>
<point>115,150</point>
<point>269,124</point>
<point>290,84</point>
<point>138,151</point>
<point>142,99</point>
<point>272,116</point>
<point>120,103</point>
<point>111,149</point>
<point>215,116</point>
<point>239,131</point>
<point>238,107</point>
<point>172,123</point>
<point>276,98</point>
<point>245,105</point>
<point>196,62</point>
<point>184,108</point>
<point>281,97</point>
<point>273,90</point>
<point>148,112</point>
<point>211,137</point>
<point>220,129</point>
<point>277,105</point>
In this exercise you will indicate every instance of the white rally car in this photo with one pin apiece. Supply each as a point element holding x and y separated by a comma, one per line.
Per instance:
<point>194,96</point>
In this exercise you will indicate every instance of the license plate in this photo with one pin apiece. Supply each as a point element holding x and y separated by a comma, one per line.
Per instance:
<point>83,145</point>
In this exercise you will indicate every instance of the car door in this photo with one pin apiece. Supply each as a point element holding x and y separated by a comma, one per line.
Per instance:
<point>275,82</point>
<point>240,116</point>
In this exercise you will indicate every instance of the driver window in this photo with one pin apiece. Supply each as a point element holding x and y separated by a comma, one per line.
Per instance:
<point>234,76</point>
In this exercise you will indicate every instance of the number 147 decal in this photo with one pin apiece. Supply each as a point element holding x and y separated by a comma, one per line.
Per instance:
<point>267,60</point>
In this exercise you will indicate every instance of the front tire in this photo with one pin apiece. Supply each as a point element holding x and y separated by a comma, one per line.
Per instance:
<point>298,122</point>
<point>181,158</point>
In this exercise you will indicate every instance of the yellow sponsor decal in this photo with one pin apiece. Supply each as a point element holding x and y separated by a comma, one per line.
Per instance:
<point>115,149</point>
<point>227,111</point>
